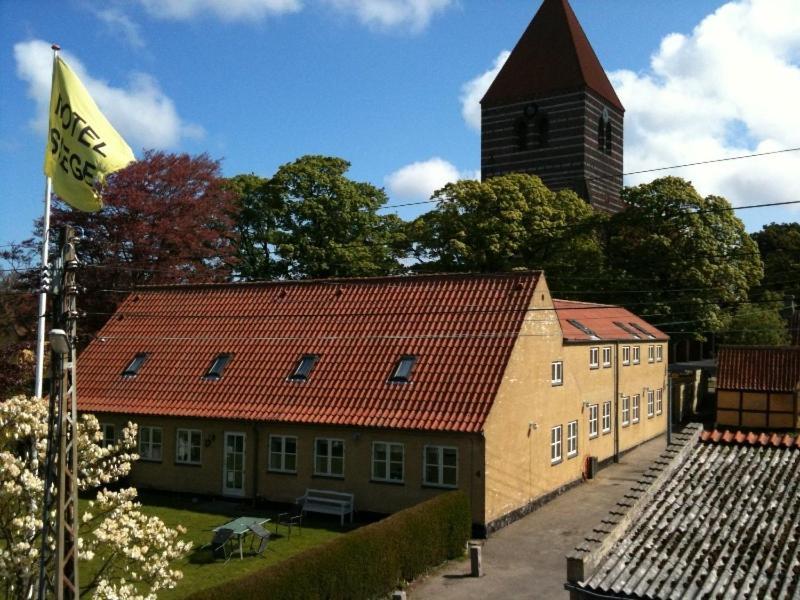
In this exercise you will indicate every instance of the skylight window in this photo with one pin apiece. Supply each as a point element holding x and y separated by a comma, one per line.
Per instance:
<point>214,372</point>
<point>643,330</point>
<point>402,372</point>
<point>303,369</point>
<point>627,330</point>
<point>133,367</point>
<point>577,324</point>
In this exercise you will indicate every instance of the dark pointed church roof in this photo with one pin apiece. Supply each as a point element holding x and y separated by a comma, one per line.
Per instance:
<point>553,55</point>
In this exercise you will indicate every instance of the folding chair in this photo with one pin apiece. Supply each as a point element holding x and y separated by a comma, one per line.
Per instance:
<point>220,542</point>
<point>261,533</point>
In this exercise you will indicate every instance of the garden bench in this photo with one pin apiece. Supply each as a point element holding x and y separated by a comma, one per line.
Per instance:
<point>331,503</point>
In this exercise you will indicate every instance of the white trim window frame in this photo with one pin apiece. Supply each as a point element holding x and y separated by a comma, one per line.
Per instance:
<point>594,420</point>
<point>606,417</point>
<point>388,462</point>
<point>557,373</point>
<point>572,439</point>
<point>594,357</point>
<point>188,446</point>
<point>109,431</point>
<point>651,353</point>
<point>637,355</point>
<point>659,401</point>
<point>440,466</point>
<point>637,403</point>
<point>626,411</point>
<point>660,353</point>
<point>626,356</point>
<point>329,457</point>
<point>282,454</point>
<point>150,443</point>
<point>651,403</point>
<point>556,439</point>
<point>606,357</point>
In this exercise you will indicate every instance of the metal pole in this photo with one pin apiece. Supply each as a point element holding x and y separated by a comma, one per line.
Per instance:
<point>48,191</point>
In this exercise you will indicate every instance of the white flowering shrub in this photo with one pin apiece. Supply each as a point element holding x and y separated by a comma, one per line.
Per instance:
<point>131,552</point>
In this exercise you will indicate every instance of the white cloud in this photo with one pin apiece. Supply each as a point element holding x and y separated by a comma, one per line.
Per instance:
<point>474,90</point>
<point>141,112</point>
<point>728,88</point>
<point>418,180</point>
<point>117,21</point>
<point>388,14</point>
<point>227,10</point>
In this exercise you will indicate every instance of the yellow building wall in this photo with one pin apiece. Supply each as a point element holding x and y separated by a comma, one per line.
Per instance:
<point>638,379</point>
<point>517,432</point>
<point>382,497</point>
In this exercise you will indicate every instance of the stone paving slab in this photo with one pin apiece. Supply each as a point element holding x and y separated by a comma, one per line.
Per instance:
<point>527,558</point>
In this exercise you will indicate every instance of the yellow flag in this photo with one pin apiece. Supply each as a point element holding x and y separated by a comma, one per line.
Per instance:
<point>82,146</point>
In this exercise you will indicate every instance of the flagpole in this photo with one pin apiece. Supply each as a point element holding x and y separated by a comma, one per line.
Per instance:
<point>48,191</point>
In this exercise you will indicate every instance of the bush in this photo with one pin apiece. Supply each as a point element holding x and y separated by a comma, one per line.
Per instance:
<point>365,563</point>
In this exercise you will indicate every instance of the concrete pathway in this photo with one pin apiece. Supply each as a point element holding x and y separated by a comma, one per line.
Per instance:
<point>527,558</point>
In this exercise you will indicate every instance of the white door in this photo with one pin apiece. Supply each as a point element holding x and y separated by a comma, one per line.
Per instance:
<point>233,465</point>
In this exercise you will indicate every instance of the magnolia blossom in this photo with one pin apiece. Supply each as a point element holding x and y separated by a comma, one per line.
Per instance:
<point>131,552</point>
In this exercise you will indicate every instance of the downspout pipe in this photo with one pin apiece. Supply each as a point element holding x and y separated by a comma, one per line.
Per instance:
<point>616,402</point>
<point>255,463</point>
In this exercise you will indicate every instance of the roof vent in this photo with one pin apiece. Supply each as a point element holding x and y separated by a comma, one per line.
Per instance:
<point>282,294</point>
<point>339,291</point>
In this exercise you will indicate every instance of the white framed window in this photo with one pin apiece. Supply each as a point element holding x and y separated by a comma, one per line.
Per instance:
<point>557,373</point>
<point>636,406</point>
<point>555,445</point>
<point>637,356</point>
<point>626,411</point>
<point>329,457</point>
<point>440,466</point>
<point>109,434</point>
<point>283,453</point>
<point>626,356</point>
<point>150,443</point>
<point>651,353</point>
<point>388,461</point>
<point>594,358</point>
<point>659,401</point>
<point>594,420</point>
<point>659,353</point>
<point>572,439</point>
<point>606,417</point>
<point>651,403</point>
<point>606,357</point>
<point>188,443</point>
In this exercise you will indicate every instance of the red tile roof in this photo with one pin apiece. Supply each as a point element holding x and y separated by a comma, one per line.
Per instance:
<point>461,328</point>
<point>553,55</point>
<point>602,320</point>
<point>759,368</point>
<point>752,439</point>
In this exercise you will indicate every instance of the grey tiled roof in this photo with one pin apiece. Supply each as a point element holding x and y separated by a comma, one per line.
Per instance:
<point>722,521</point>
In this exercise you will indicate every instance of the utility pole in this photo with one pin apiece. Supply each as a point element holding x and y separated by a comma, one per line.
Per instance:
<point>61,463</point>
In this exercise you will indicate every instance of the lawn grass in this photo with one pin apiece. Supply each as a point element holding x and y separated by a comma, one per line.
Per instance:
<point>200,569</point>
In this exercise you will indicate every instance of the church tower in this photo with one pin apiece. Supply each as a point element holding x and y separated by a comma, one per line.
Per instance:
<point>552,112</point>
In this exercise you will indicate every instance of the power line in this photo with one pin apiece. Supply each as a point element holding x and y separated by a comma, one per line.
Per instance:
<point>640,172</point>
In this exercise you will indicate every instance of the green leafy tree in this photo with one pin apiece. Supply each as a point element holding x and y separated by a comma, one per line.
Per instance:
<point>329,226</point>
<point>506,222</point>
<point>756,325</point>
<point>779,244</point>
<point>259,212</point>
<point>687,257</point>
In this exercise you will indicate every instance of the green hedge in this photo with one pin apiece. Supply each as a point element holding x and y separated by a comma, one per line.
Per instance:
<point>364,563</point>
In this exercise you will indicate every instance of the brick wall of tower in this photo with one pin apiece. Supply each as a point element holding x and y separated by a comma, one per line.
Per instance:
<point>570,159</point>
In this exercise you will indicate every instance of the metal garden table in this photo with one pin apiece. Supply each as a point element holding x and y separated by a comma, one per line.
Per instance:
<point>240,527</point>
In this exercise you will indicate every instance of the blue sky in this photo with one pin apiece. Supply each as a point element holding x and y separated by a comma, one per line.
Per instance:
<point>258,83</point>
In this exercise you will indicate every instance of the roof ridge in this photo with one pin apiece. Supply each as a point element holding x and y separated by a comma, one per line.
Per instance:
<point>597,304</point>
<point>343,280</point>
<point>751,438</point>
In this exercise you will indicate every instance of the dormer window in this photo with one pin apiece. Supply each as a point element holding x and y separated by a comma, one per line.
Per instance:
<point>218,365</point>
<point>304,366</point>
<point>402,372</point>
<point>133,367</point>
